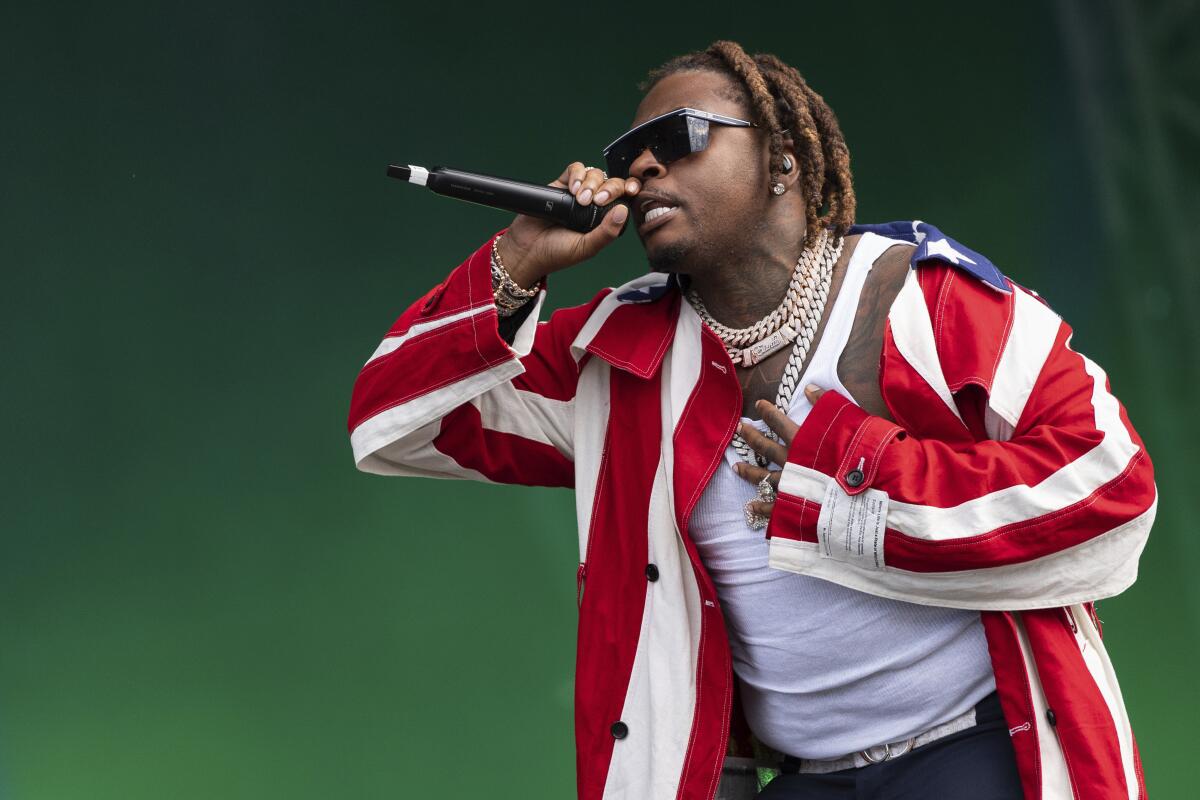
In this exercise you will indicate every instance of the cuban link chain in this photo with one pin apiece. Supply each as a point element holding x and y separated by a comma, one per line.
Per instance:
<point>794,320</point>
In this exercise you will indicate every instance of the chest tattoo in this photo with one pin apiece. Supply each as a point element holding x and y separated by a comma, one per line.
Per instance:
<point>761,382</point>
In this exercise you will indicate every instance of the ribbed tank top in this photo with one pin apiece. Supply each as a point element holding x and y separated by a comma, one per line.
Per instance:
<point>826,670</point>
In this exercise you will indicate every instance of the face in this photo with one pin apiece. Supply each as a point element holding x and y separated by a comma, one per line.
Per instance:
<point>719,194</point>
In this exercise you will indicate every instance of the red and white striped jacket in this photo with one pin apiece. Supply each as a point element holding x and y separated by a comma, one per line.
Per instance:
<point>1013,481</point>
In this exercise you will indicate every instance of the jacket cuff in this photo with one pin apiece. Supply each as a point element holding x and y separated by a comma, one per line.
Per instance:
<point>836,440</point>
<point>468,286</point>
<point>468,291</point>
<point>842,441</point>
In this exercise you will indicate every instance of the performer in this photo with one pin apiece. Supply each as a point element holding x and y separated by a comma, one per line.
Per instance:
<point>846,495</point>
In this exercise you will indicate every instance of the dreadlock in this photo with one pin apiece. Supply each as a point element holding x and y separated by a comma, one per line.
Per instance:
<point>783,103</point>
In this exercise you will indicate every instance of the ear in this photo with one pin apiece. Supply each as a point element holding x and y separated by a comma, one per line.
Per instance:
<point>790,178</point>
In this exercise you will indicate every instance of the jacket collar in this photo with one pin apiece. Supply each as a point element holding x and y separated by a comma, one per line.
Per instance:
<point>633,327</point>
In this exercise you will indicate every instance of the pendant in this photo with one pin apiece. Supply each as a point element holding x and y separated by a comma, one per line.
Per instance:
<point>764,347</point>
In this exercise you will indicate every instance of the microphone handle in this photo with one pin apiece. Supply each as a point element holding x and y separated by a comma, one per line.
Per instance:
<point>535,200</point>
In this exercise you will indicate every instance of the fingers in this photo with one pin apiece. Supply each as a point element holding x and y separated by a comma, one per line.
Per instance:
<point>564,180</point>
<point>594,186</point>
<point>778,421</point>
<point>609,190</point>
<point>773,450</point>
<point>760,508</point>
<point>584,181</point>
<point>571,176</point>
<point>752,473</point>
<point>589,185</point>
<point>604,233</point>
<point>813,393</point>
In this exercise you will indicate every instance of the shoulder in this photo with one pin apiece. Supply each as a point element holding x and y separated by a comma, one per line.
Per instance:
<point>890,269</point>
<point>952,310</point>
<point>919,259</point>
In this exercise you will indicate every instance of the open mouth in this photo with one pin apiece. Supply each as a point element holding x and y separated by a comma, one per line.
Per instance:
<point>655,212</point>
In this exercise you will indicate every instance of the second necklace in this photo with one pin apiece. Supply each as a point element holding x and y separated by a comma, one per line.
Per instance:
<point>794,320</point>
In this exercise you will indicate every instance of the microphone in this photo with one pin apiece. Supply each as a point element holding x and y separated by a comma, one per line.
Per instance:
<point>535,200</point>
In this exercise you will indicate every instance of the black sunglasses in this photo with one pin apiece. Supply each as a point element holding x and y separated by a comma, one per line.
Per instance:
<point>669,136</point>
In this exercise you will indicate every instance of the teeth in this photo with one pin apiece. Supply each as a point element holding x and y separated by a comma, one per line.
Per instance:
<point>655,213</point>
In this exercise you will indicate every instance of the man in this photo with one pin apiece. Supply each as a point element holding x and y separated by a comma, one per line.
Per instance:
<point>943,505</point>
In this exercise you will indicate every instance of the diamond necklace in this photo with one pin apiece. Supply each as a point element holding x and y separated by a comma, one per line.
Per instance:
<point>794,320</point>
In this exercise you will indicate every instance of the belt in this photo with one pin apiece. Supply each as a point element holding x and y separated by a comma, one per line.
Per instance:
<point>881,752</point>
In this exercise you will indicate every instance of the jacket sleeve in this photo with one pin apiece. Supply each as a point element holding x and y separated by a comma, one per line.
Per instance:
<point>1052,508</point>
<point>444,395</point>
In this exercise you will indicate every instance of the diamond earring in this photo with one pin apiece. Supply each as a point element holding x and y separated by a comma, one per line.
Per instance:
<point>778,188</point>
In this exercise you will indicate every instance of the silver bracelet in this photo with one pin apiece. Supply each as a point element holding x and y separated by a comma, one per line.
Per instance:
<point>508,295</point>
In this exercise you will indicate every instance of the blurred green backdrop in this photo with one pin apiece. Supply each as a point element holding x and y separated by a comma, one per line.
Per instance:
<point>200,597</point>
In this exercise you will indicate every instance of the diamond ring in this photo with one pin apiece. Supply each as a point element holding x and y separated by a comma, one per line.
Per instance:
<point>767,494</point>
<point>766,490</point>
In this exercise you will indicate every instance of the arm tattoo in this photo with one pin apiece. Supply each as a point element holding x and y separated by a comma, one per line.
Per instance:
<point>858,367</point>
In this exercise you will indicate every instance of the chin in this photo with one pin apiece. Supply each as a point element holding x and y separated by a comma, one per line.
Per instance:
<point>668,257</point>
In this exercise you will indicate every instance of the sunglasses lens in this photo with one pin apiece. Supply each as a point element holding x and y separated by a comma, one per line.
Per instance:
<point>617,164</point>
<point>668,139</point>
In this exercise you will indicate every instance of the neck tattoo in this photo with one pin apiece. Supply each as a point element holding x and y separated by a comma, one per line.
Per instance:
<point>794,321</point>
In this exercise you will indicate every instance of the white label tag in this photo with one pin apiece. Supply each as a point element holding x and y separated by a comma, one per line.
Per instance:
<point>851,527</point>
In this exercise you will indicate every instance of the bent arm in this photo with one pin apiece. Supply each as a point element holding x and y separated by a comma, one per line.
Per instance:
<point>447,394</point>
<point>1054,510</point>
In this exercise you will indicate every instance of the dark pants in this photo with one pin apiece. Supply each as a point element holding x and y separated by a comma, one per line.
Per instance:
<point>976,764</point>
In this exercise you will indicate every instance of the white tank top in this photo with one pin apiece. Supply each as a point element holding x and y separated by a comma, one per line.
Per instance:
<point>826,670</point>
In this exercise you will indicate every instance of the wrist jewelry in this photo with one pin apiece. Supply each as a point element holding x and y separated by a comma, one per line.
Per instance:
<point>508,295</point>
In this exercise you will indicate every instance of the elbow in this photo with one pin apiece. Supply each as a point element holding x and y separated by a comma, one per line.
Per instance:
<point>1143,485</point>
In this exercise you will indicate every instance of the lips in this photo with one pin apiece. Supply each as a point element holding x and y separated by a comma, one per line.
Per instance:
<point>654,210</point>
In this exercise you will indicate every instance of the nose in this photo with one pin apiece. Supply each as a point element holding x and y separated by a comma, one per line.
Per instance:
<point>646,165</point>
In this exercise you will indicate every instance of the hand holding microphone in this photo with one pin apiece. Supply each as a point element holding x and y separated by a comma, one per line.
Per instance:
<point>534,248</point>
<point>572,220</point>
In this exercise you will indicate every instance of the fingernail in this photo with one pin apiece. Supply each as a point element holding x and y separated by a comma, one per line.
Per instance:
<point>620,213</point>
<point>632,186</point>
<point>585,195</point>
<point>601,197</point>
<point>812,387</point>
<point>575,186</point>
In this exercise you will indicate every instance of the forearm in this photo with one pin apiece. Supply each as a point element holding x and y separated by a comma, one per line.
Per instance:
<point>444,351</point>
<point>1058,513</point>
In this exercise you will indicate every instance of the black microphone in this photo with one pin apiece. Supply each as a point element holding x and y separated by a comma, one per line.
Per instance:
<point>535,200</point>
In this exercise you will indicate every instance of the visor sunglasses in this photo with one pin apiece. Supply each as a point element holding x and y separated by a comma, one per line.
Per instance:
<point>669,136</point>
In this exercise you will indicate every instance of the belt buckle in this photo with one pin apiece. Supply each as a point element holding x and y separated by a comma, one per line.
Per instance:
<point>888,754</point>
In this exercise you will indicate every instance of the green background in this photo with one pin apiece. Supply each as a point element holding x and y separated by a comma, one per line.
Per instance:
<point>200,597</point>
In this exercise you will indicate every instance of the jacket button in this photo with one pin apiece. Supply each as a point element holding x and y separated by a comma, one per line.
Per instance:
<point>619,730</point>
<point>651,572</point>
<point>1050,717</point>
<point>855,477</point>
